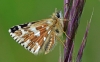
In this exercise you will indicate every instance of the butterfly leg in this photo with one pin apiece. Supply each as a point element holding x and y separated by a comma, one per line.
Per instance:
<point>61,41</point>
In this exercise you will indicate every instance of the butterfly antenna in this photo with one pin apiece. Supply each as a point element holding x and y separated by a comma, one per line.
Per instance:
<point>55,10</point>
<point>66,35</point>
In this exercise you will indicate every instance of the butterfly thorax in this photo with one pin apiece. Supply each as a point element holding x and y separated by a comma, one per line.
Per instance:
<point>58,24</point>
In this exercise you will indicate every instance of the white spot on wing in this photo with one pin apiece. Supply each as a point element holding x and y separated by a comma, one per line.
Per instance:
<point>29,24</point>
<point>44,38</point>
<point>23,32</point>
<point>36,32</point>
<point>21,40</point>
<point>9,30</point>
<point>19,27</point>
<point>36,51</point>
<point>18,39</point>
<point>12,34</point>
<point>28,48</point>
<point>22,44</point>
<point>32,50</point>
<point>38,47</point>
<point>26,43</point>
<point>49,31</point>
<point>15,38</point>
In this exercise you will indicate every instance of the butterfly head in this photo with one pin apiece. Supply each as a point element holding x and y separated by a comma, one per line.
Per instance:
<point>57,15</point>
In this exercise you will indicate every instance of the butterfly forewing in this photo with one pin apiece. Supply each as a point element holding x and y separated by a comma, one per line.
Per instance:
<point>32,35</point>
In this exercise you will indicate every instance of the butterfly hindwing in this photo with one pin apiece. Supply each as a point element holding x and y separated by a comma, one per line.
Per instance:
<point>50,42</point>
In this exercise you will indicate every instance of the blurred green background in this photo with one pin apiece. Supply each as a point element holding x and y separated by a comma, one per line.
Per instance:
<point>14,12</point>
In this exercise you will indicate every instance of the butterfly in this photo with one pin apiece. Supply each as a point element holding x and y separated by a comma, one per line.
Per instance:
<point>39,36</point>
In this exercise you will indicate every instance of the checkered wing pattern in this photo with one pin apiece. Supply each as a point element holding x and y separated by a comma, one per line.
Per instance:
<point>35,36</point>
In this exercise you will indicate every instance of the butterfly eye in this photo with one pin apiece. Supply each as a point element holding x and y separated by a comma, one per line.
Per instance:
<point>58,15</point>
<point>14,29</point>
